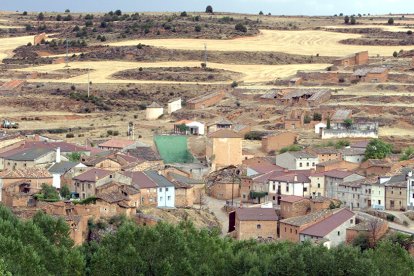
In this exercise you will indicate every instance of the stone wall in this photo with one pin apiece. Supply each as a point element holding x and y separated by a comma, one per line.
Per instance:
<point>256,229</point>
<point>344,133</point>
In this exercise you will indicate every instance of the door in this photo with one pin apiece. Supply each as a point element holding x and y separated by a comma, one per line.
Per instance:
<point>369,203</point>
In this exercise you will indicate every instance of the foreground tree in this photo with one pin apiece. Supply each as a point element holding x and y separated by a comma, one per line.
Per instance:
<point>378,149</point>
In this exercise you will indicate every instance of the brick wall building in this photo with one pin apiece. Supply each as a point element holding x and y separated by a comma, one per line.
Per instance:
<point>205,100</point>
<point>256,223</point>
<point>277,141</point>
<point>294,206</point>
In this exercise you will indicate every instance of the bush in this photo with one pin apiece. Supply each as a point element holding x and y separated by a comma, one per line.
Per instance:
<point>140,46</point>
<point>317,117</point>
<point>353,20</point>
<point>89,23</point>
<point>395,54</point>
<point>291,148</point>
<point>183,14</point>
<point>307,119</point>
<point>70,135</point>
<point>254,135</point>
<point>390,217</point>
<point>391,21</point>
<point>409,32</point>
<point>234,84</point>
<point>209,9</point>
<point>240,27</point>
<point>197,28</point>
<point>346,19</point>
<point>24,13</point>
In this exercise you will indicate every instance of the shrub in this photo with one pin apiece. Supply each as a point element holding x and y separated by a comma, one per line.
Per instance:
<point>209,9</point>
<point>70,135</point>
<point>395,54</point>
<point>103,24</point>
<point>353,20</point>
<point>88,23</point>
<point>290,148</point>
<point>254,135</point>
<point>24,13</point>
<point>183,14</point>
<point>346,19</point>
<point>118,12</point>
<point>307,119</point>
<point>40,16</point>
<point>140,46</point>
<point>260,13</point>
<point>391,21</point>
<point>76,29</point>
<point>240,27</point>
<point>29,44</point>
<point>234,84</point>
<point>317,117</point>
<point>390,217</point>
<point>409,32</point>
<point>73,87</point>
<point>197,28</point>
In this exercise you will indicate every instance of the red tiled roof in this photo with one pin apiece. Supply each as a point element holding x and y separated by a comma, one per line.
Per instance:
<point>117,143</point>
<point>140,180</point>
<point>25,173</point>
<point>293,177</point>
<point>256,214</point>
<point>225,133</point>
<point>327,225</point>
<point>338,173</point>
<point>90,175</point>
<point>291,198</point>
<point>265,167</point>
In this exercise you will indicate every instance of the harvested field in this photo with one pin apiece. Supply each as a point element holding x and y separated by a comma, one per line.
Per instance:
<point>104,69</point>
<point>387,28</point>
<point>291,42</point>
<point>7,45</point>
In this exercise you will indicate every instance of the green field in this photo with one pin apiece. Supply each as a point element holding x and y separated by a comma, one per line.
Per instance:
<point>173,149</point>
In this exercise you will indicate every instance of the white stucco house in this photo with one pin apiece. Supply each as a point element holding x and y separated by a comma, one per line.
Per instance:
<point>331,231</point>
<point>319,127</point>
<point>58,170</point>
<point>297,160</point>
<point>165,190</point>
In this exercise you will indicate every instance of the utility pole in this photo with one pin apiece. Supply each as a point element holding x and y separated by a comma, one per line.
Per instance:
<point>89,84</point>
<point>67,53</point>
<point>205,54</point>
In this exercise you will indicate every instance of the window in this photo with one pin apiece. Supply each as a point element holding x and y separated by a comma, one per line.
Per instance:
<point>305,189</point>
<point>244,195</point>
<point>339,233</point>
<point>296,231</point>
<point>258,226</point>
<point>160,198</point>
<point>352,221</point>
<point>274,187</point>
<point>290,230</point>
<point>287,188</point>
<point>166,189</point>
<point>160,189</point>
<point>307,164</point>
<point>319,185</point>
<point>285,229</point>
<point>300,164</point>
<point>379,201</point>
<point>169,197</point>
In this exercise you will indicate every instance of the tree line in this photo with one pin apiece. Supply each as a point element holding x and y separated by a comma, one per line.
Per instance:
<point>41,246</point>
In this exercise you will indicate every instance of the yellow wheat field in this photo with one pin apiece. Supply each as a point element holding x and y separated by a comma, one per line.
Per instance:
<point>292,42</point>
<point>7,45</point>
<point>101,71</point>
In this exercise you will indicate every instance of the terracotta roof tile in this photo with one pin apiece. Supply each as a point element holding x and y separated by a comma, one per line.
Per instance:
<point>117,143</point>
<point>256,214</point>
<point>225,133</point>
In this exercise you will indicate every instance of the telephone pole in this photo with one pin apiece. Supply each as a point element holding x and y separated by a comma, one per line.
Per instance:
<point>67,53</point>
<point>89,84</point>
<point>205,54</point>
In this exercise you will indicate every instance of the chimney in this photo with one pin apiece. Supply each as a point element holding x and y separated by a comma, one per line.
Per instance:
<point>295,178</point>
<point>58,155</point>
<point>96,176</point>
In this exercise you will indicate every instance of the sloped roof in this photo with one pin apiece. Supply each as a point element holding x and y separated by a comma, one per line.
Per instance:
<point>302,220</point>
<point>327,225</point>
<point>159,179</point>
<point>62,167</point>
<point>341,114</point>
<point>140,180</point>
<point>302,154</point>
<point>338,174</point>
<point>29,154</point>
<point>90,175</point>
<point>34,173</point>
<point>117,143</point>
<point>292,178</point>
<point>292,198</point>
<point>144,154</point>
<point>353,151</point>
<point>183,179</point>
<point>64,146</point>
<point>154,105</point>
<point>225,133</point>
<point>256,214</point>
<point>264,168</point>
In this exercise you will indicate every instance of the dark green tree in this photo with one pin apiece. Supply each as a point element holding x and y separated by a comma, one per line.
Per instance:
<point>346,19</point>
<point>209,9</point>
<point>65,192</point>
<point>377,149</point>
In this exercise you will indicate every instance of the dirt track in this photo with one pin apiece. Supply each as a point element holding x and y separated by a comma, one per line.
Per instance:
<point>292,42</point>
<point>102,71</point>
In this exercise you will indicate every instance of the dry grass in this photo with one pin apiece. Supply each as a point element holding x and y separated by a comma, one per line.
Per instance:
<point>292,42</point>
<point>388,28</point>
<point>102,71</point>
<point>7,45</point>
